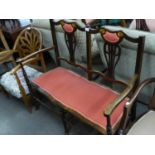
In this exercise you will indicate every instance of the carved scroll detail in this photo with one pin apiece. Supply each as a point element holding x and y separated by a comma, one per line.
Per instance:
<point>112,49</point>
<point>71,45</point>
<point>112,55</point>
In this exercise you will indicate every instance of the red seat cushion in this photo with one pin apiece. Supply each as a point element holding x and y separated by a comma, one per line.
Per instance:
<point>82,96</point>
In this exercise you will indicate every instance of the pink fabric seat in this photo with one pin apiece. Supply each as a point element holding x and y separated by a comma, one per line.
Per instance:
<point>80,95</point>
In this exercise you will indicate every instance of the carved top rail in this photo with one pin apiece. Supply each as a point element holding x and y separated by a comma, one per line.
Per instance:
<point>69,28</point>
<point>112,48</point>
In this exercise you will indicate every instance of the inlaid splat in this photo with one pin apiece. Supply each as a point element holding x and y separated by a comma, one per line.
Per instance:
<point>112,55</point>
<point>70,39</point>
<point>112,49</point>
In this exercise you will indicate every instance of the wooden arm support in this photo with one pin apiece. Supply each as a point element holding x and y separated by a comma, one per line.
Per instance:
<point>130,103</point>
<point>121,97</point>
<point>15,69</point>
<point>34,54</point>
<point>117,101</point>
<point>4,55</point>
<point>141,86</point>
<point>29,59</point>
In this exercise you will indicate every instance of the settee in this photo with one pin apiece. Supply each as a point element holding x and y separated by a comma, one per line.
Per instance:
<point>127,57</point>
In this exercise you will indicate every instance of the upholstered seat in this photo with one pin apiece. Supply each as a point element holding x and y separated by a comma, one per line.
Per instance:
<point>145,125</point>
<point>76,93</point>
<point>9,82</point>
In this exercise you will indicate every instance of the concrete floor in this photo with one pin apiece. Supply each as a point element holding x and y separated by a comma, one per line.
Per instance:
<point>15,120</point>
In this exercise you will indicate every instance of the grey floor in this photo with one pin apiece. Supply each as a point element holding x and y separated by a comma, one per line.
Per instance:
<point>15,120</point>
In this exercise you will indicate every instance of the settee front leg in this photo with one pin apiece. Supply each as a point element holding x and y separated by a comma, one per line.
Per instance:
<point>109,128</point>
<point>64,121</point>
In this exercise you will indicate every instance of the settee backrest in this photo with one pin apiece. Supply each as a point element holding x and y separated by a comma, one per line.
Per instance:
<point>70,29</point>
<point>111,49</point>
<point>127,61</point>
<point>44,26</point>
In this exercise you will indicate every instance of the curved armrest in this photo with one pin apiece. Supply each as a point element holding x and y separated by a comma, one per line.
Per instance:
<point>5,54</point>
<point>34,54</point>
<point>6,51</point>
<point>140,87</point>
<point>122,96</point>
<point>30,60</point>
<point>129,103</point>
